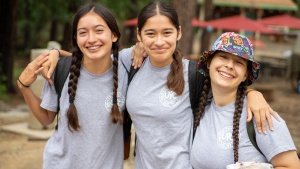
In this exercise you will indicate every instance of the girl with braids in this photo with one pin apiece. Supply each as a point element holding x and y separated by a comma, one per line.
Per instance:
<point>221,137</point>
<point>90,133</point>
<point>158,95</point>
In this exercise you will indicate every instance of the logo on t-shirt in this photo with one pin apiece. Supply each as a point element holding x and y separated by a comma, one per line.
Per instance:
<point>120,100</point>
<point>225,138</point>
<point>167,97</point>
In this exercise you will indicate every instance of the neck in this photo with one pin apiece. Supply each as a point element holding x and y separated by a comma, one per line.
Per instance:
<point>99,66</point>
<point>223,97</point>
<point>159,64</point>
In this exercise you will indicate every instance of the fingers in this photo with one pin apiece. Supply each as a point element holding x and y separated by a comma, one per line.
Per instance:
<point>263,121</point>
<point>274,114</point>
<point>50,72</point>
<point>270,122</point>
<point>42,59</point>
<point>38,71</point>
<point>138,54</point>
<point>258,123</point>
<point>249,115</point>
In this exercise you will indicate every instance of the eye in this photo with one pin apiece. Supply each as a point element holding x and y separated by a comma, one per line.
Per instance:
<point>99,30</point>
<point>223,56</point>
<point>81,32</point>
<point>240,62</point>
<point>168,33</point>
<point>150,34</point>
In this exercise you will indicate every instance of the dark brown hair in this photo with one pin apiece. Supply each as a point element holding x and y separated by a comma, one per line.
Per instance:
<point>77,56</point>
<point>203,101</point>
<point>175,81</point>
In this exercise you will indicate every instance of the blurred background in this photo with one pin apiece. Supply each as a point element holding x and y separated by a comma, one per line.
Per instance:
<point>29,27</point>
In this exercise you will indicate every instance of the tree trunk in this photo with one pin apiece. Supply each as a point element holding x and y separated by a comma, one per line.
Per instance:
<point>53,30</point>
<point>67,40</point>
<point>205,39</point>
<point>8,10</point>
<point>66,43</point>
<point>186,11</point>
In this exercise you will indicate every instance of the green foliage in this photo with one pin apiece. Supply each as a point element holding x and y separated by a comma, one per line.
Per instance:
<point>34,19</point>
<point>3,90</point>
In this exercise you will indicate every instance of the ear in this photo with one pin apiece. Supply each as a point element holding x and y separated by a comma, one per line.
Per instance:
<point>114,38</point>
<point>138,35</point>
<point>179,34</point>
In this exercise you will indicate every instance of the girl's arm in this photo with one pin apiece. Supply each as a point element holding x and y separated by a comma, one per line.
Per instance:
<point>27,77</point>
<point>50,65</point>
<point>258,106</point>
<point>284,160</point>
<point>138,55</point>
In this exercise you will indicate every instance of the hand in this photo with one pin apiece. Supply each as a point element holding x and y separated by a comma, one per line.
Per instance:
<point>29,75</point>
<point>138,54</point>
<point>49,66</point>
<point>261,110</point>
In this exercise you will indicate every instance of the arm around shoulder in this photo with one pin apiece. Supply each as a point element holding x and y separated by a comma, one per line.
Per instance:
<point>287,159</point>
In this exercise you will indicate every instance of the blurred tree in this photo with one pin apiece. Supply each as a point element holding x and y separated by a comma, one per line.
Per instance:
<point>205,39</point>
<point>8,11</point>
<point>186,10</point>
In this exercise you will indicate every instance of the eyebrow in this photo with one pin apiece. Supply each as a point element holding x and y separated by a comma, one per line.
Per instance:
<point>100,25</point>
<point>165,29</point>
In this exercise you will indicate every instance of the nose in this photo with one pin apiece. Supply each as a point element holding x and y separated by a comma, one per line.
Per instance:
<point>229,63</point>
<point>92,37</point>
<point>159,40</point>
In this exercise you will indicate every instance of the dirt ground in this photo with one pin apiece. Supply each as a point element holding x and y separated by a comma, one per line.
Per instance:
<point>18,152</point>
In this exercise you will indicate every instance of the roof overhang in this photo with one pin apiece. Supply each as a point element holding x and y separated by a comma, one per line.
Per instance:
<point>287,5</point>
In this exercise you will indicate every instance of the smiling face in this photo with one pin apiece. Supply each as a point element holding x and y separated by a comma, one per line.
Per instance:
<point>94,38</point>
<point>227,70</point>
<point>159,37</point>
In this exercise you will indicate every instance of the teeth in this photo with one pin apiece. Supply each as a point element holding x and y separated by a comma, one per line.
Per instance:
<point>226,75</point>
<point>94,47</point>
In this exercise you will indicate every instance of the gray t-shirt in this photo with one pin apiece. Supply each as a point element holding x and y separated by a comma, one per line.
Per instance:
<point>213,145</point>
<point>99,143</point>
<point>162,120</point>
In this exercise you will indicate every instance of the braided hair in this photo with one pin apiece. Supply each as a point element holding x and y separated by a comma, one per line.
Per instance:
<point>77,56</point>
<point>203,101</point>
<point>175,80</point>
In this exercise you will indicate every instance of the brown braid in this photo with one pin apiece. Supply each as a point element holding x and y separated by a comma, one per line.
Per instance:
<point>236,119</point>
<point>72,114</point>
<point>110,20</point>
<point>202,102</point>
<point>115,112</point>
<point>175,80</point>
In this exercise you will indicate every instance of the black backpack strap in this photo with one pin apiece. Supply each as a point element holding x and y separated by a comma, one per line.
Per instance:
<point>192,83</point>
<point>195,85</point>
<point>126,118</point>
<point>61,73</point>
<point>252,135</point>
<point>127,122</point>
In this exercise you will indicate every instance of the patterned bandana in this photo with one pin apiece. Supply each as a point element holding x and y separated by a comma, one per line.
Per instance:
<point>236,44</point>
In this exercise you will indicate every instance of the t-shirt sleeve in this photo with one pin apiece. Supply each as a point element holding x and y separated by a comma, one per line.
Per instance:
<point>125,57</point>
<point>49,97</point>
<point>275,142</point>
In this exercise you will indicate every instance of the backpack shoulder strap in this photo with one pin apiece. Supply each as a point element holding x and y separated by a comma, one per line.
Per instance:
<point>195,83</point>
<point>252,134</point>
<point>127,122</point>
<point>60,76</point>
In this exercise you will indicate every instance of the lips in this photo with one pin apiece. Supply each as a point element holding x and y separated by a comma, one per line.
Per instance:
<point>93,47</point>
<point>226,74</point>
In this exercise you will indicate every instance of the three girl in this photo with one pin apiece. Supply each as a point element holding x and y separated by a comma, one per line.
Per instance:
<point>158,95</point>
